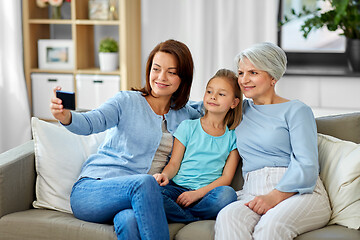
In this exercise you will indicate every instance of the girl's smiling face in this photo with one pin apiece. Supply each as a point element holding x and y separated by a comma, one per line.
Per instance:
<point>219,96</point>
<point>164,79</point>
<point>254,83</point>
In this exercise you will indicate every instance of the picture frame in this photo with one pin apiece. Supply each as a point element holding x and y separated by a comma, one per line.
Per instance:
<point>98,9</point>
<point>56,54</point>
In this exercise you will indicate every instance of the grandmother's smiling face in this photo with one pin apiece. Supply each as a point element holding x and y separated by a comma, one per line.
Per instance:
<point>254,83</point>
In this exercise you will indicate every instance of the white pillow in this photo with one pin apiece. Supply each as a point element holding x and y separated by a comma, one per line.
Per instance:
<point>59,155</point>
<point>340,172</point>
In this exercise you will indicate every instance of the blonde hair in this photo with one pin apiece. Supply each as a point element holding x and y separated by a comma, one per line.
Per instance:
<point>234,115</point>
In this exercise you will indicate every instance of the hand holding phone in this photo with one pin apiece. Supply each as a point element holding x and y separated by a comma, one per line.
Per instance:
<point>67,98</point>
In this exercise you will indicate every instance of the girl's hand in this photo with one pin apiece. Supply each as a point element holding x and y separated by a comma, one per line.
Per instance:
<point>161,178</point>
<point>58,111</point>
<point>263,203</point>
<point>187,198</point>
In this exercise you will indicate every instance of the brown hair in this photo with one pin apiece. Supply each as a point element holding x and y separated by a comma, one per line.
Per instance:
<point>234,115</point>
<point>185,69</point>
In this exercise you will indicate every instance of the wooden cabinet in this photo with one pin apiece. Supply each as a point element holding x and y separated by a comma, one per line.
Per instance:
<point>37,25</point>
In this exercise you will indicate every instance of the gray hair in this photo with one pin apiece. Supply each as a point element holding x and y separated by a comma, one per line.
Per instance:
<point>267,57</point>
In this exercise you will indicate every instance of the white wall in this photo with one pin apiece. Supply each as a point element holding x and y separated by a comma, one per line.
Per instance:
<point>325,95</point>
<point>214,30</point>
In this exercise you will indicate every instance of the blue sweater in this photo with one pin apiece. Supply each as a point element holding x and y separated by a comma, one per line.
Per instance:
<point>280,135</point>
<point>133,137</point>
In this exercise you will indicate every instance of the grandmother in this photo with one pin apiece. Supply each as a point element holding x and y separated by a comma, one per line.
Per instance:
<point>283,195</point>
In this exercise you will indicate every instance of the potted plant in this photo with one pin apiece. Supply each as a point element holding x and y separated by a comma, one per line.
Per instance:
<point>108,54</point>
<point>344,15</point>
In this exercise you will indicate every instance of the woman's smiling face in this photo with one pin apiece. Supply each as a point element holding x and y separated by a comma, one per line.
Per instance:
<point>254,83</point>
<point>164,78</point>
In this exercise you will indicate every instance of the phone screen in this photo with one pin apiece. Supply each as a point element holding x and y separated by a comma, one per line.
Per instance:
<point>68,99</point>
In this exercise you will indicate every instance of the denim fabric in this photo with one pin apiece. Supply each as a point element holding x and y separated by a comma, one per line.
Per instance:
<point>133,203</point>
<point>206,208</point>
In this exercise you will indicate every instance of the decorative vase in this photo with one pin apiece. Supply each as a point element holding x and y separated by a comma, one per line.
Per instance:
<point>108,61</point>
<point>353,54</point>
<point>56,12</point>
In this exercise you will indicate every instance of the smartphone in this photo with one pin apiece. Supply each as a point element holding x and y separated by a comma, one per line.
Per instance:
<point>68,99</point>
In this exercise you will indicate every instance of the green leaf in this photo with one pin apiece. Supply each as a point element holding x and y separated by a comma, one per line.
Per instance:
<point>108,45</point>
<point>344,14</point>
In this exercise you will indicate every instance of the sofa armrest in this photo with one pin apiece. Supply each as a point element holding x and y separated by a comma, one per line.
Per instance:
<point>17,178</point>
<point>343,126</point>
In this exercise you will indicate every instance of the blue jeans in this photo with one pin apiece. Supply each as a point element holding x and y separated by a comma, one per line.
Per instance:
<point>133,203</point>
<point>206,208</point>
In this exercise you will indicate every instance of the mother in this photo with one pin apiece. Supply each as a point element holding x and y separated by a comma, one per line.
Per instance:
<point>283,195</point>
<point>113,184</point>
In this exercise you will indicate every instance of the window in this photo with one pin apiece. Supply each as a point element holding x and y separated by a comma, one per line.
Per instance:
<point>322,47</point>
<point>321,40</point>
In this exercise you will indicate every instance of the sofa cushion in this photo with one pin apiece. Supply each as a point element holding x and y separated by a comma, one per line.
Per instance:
<point>339,170</point>
<point>205,230</point>
<point>330,232</point>
<point>174,228</point>
<point>197,230</point>
<point>59,155</point>
<point>41,224</point>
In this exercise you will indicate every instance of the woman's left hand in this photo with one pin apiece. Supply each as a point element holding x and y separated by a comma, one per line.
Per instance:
<point>187,198</point>
<point>263,203</point>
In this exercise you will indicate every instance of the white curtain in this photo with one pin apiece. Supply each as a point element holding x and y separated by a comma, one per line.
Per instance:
<point>14,105</point>
<point>214,30</point>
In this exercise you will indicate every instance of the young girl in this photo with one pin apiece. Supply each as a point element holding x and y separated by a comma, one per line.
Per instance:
<point>204,156</point>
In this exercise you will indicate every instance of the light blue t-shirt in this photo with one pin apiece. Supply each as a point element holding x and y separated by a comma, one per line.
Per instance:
<point>280,135</point>
<point>133,137</point>
<point>205,155</point>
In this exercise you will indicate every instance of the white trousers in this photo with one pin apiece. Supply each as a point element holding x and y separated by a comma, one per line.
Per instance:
<point>291,217</point>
